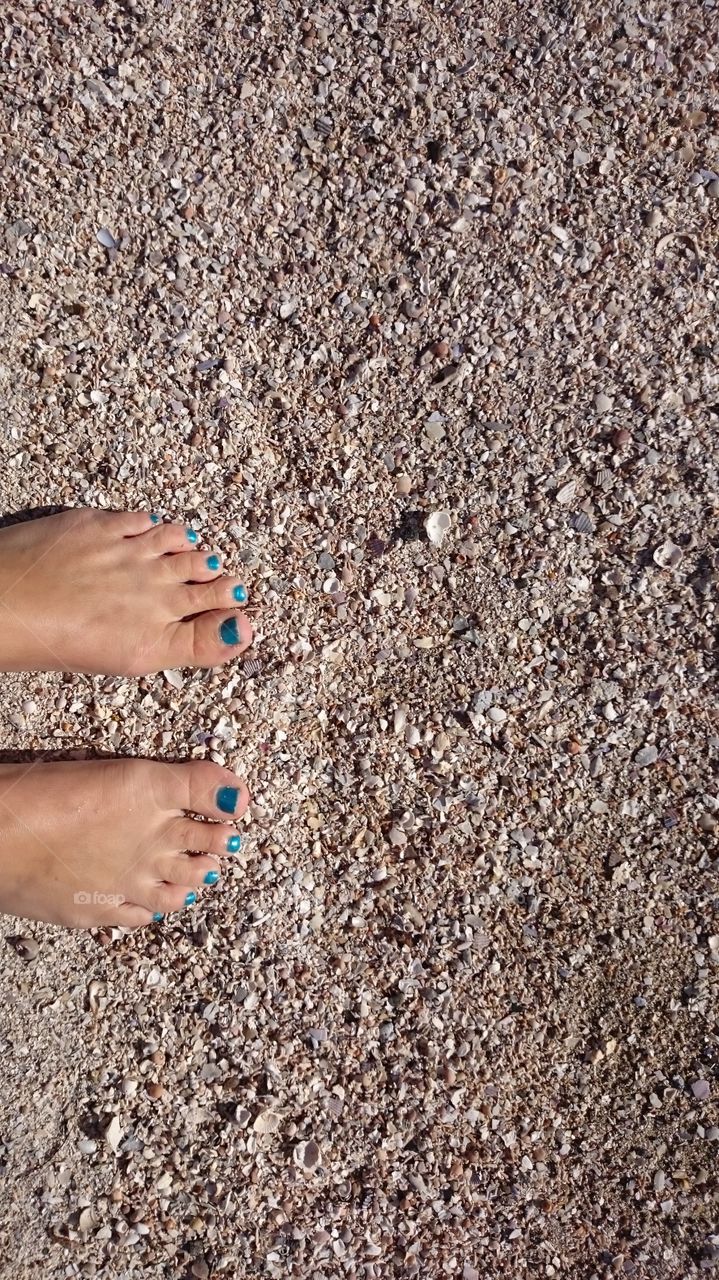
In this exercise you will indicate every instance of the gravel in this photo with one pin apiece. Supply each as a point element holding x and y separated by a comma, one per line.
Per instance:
<point>411,311</point>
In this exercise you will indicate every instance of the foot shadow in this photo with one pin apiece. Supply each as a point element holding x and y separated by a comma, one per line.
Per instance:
<point>8,518</point>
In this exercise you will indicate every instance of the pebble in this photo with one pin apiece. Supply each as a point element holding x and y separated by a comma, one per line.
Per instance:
<point>27,948</point>
<point>603,403</point>
<point>496,715</point>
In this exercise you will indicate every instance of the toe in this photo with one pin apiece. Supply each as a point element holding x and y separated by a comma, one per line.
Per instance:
<point>162,539</point>
<point>127,524</point>
<point>187,835</point>
<point>161,899</point>
<point>194,566</point>
<point>205,788</point>
<point>223,593</point>
<point>188,872</point>
<point>210,639</point>
<point>130,916</point>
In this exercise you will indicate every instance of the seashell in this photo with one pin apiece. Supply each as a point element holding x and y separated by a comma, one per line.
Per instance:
<point>668,555</point>
<point>567,492</point>
<point>437,525</point>
<point>582,522</point>
<point>266,1122</point>
<point>106,238</point>
<point>307,1154</point>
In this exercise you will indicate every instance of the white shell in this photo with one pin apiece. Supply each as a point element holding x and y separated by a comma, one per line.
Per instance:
<point>266,1122</point>
<point>438,525</point>
<point>668,555</point>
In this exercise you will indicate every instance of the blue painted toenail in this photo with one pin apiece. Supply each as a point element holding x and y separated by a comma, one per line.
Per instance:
<point>158,916</point>
<point>213,562</point>
<point>212,877</point>
<point>239,594</point>
<point>190,899</point>
<point>234,844</point>
<point>155,520</point>
<point>229,633</point>
<point>227,798</point>
<point>191,536</point>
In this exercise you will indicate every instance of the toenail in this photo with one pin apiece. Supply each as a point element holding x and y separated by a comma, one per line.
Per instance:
<point>190,899</point>
<point>191,535</point>
<point>229,633</point>
<point>155,520</point>
<point>234,844</point>
<point>240,595</point>
<point>212,877</point>
<point>227,798</point>
<point>213,562</point>
<point>158,916</point>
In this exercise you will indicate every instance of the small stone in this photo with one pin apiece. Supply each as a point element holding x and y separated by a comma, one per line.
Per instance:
<point>645,756</point>
<point>496,715</point>
<point>701,1090</point>
<point>27,948</point>
<point>603,403</point>
<point>403,484</point>
<point>712,188</point>
<point>621,438</point>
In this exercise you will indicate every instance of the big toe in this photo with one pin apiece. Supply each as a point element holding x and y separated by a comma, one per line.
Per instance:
<point>210,639</point>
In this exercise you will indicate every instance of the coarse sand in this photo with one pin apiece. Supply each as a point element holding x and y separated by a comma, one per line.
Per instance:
<point>410,308</point>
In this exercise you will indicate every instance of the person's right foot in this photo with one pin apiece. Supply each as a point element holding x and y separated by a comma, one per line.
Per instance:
<point>109,842</point>
<point>114,593</point>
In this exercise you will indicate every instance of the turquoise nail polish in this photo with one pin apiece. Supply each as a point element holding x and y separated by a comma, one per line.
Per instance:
<point>158,916</point>
<point>190,899</point>
<point>234,844</point>
<point>239,594</point>
<point>155,520</point>
<point>191,536</point>
<point>229,633</point>
<point>212,877</point>
<point>213,562</point>
<point>227,798</point>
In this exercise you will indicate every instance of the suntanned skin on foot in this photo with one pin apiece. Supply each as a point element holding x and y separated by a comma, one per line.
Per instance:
<point>112,593</point>
<point>113,842</point>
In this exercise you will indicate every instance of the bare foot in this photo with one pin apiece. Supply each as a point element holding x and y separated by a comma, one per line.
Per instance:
<point>95,842</point>
<point>114,593</point>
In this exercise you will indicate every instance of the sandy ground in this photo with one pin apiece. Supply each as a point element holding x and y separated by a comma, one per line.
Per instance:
<point>411,309</point>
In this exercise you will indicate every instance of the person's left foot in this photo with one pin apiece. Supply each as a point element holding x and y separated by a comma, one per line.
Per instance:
<point>114,593</point>
<point>102,842</point>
